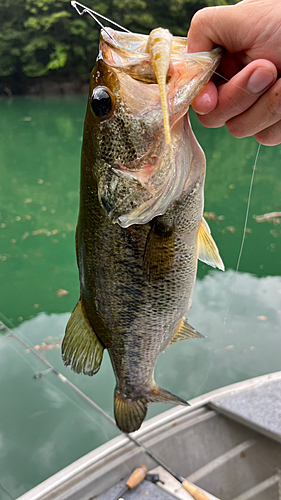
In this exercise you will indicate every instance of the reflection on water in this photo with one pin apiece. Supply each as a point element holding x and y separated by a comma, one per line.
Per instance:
<point>241,317</point>
<point>44,426</point>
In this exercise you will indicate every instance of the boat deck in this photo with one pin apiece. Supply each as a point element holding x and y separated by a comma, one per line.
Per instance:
<point>258,408</point>
<point>227,443</point>
<point>169,489</point>
<point>145,490</point>
<point>254,458</point>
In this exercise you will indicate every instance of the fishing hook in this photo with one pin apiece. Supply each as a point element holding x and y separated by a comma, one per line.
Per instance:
<point>94,15</point>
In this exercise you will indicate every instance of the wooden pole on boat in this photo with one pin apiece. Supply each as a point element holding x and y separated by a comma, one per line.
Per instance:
<point>194,492</point>
<point>185,484</point>
<point>134,480</point>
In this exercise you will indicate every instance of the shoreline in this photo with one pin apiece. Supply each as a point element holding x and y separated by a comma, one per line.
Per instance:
<point>44,87</point>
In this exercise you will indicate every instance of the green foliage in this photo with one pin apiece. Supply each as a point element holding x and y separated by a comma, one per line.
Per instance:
<point>46,37</point>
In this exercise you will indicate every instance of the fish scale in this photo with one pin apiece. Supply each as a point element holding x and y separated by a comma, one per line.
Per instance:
<point>140,229</point>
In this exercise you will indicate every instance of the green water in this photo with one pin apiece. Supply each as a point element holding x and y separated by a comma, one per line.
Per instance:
<point>44,426</point>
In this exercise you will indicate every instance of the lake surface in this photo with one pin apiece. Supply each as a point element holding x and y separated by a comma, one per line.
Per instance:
<point>44,426</point>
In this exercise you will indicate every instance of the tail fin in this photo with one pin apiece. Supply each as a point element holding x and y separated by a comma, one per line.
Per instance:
<point>130,413</point>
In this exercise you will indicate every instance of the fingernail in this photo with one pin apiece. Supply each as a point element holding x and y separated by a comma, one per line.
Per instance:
<point>204,101</point>
<point>260,80</point>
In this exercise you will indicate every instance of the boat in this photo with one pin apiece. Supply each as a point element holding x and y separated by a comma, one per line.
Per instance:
<point>227,444</point>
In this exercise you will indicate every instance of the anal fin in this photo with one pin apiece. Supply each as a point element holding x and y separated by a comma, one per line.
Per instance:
<point>159,395</point>
<point>207,249</point>
<point>185,331</point>
<point>81,347</point>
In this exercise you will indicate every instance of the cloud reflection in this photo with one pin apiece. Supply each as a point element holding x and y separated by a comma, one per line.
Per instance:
<point>240,314</point>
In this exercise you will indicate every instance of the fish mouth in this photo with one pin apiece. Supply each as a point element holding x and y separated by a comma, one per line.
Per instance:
<point>147,187</point>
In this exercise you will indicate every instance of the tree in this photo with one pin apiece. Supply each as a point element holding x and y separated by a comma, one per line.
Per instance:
<point>46,38</point>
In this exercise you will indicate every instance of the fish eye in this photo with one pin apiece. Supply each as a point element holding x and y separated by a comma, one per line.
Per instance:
<point>101,102</point>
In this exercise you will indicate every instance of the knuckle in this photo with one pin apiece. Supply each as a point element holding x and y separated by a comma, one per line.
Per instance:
<point>209,121</point>
<point>235,127</point>
<point>273,102</point>
<point>234,103</point>
<point>204,120</point>
<point>200,18</point>
<point>270,136</point>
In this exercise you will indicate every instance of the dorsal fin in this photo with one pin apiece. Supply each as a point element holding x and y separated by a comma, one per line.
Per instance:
<point>81,347</point>
<point>207,249</point>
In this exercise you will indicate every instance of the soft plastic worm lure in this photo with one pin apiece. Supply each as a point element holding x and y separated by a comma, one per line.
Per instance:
<point>159,47</point>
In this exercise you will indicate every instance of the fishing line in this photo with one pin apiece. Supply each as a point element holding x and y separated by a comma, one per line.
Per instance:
<point>248,207</point>
<point>238,260</point>
<point>198,390</point>
<point>244,232</point>
<point>234,84</point>
<point>192,56</point>
<point>56,372</point>
<point>94,15</point>
<point>24,357</point>
<point>6,491</point>
<point>51,368</point>
<point>65,380</point>
<point>38,374</point>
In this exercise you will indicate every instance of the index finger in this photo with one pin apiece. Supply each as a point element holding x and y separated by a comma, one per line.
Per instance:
<point>210,27</point>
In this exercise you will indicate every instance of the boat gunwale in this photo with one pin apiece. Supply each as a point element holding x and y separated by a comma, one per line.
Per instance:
<point>108,450</point>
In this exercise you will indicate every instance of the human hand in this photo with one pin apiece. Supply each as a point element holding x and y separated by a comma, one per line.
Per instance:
<point>248,98</point>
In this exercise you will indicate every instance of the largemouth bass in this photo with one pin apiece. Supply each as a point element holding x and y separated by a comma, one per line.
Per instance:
<point>140,230</point>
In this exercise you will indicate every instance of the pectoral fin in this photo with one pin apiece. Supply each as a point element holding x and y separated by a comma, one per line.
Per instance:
<point>185,332</point>
<point>207,249</point>
<point>159,251</point>
<point>81,347</point>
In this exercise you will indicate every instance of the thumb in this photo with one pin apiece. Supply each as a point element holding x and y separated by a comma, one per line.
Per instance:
<point>215,26</point>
